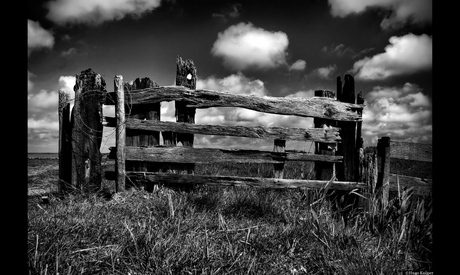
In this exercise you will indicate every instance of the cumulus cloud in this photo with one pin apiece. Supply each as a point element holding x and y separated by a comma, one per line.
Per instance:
<point>42,121</point>
<point>299,65</point>
<point>401,11</point>
<point>400,112</point>
<point>234,84</point>
<point>43,124</point>
<point>43,100</point>
<point>38,37</point>
<point>405,55</point>
<point>97,11</point>
<point>66,83</point>
<point>243,46</point>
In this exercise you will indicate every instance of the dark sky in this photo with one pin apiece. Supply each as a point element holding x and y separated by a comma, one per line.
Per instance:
<point>274,48</point>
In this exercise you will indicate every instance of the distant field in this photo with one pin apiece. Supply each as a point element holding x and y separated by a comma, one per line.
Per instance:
<point>42,155</point>
<point>47,155</point>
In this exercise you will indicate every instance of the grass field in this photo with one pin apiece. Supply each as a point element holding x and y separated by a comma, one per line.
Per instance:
<point>223,230</point>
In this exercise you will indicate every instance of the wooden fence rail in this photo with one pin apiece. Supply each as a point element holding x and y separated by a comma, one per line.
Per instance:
<point>329,135</point>
<point>303,107</point>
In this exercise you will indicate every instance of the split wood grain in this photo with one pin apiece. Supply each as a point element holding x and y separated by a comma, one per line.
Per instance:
<point>303,107</point>
<point>329,135</point>
<point>209,155</point>
<point>184,179</point>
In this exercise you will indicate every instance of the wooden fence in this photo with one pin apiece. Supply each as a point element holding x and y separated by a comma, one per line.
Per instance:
<point>341,162</point>
<point>411,159</point>
<point>140,157</point>
<point>380,167</point>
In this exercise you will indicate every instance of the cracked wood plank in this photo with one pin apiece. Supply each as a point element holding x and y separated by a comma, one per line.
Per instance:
<point>303,107</point>
<point>209,155</point>
<point>330,135</point>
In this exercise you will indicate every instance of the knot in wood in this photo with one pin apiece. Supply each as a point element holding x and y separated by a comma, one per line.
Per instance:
<point>329,110</point>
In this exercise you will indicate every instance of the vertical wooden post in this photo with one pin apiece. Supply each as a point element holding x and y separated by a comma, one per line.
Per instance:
<point>120,136</point>
<point>324,170</point>
<point>185,76</point>
<point>347,148</point>
<point>372,167</point>
<point>86,121</point>
<point>383,181</point>
<point>369,173</point>
<point>140,137</point>
<point>65,161</point>
<point>359,142</point>
<point>346,171</point>
<point>279,146</point>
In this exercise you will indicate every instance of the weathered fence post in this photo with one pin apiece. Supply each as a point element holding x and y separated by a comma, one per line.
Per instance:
<point>347,171</point>
<point>369,173</point>
<point>383,182</point>
<point>139,137</point>
<point>324,170</point>
<point>86,120</point>
<point>185,76</point>
<point>120,135</point>
<point>359,141</point>
<point>65,160</point>
<point>347,148</point>
<point>142,111</point>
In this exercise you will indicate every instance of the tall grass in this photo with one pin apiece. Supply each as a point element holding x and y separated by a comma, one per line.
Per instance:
<point>227,231</point>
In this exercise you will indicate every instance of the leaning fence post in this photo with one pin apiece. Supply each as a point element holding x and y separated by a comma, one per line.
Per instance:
<point>383,181</point>
<point>86,139</point>
<point>64,142</point>
<point>120,135</point>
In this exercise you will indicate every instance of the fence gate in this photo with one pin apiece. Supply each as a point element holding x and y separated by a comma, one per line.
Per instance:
<point>140,158</point>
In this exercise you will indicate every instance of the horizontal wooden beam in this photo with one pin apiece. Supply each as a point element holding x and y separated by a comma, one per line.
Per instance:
<point>181,179</point>
<point>210,155</point>
<point>329,135</point>
<point>421,186</point>
<point>411,151</point>
<point>320,107</point>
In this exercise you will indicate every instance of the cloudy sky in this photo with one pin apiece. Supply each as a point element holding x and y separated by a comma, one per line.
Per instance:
<point>273,48</point>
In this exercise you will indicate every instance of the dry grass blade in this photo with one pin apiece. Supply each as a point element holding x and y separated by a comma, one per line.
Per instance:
<point>36,252</point>
<point>125,223</point>
<point>321,240</point>
<point>171,206</point>
<point>323,191</point>
<point>92,248</point>
<point>358,194</point>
